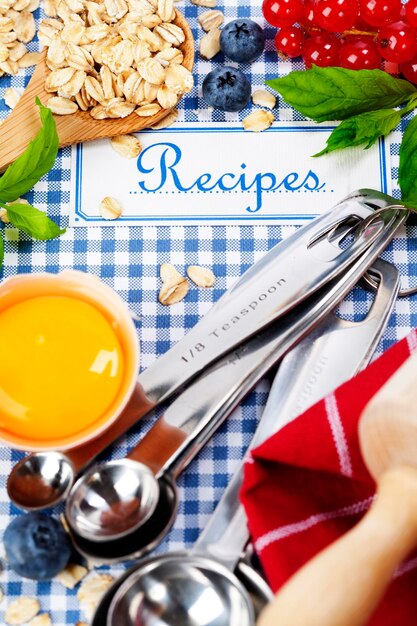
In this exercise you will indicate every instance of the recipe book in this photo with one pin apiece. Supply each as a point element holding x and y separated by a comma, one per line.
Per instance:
<point>217,173</point>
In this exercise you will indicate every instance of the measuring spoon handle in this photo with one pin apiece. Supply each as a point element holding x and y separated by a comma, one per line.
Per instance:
<point>307,259</point>
<point>196,414</point>
<point>250,361</point>
<point>226,534</point>
<point>287,275</point>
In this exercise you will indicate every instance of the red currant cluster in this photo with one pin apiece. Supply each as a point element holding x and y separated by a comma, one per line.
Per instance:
<point>356,34</point>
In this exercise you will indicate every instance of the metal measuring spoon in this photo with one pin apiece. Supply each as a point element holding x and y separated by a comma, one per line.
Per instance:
<point>312,368</point>
<point>362,338</point>
<point>254,583</point>
<point>285,276</point>
<point>199,588</point>
<point>103,504</point>
<point>41,477</point>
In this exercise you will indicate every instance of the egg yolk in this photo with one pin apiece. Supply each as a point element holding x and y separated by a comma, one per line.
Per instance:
<point>61,367</point>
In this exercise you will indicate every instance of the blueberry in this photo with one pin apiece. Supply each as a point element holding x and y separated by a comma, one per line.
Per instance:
<point>36,546</point>
<point>226,88</point>
<point>242,41</point>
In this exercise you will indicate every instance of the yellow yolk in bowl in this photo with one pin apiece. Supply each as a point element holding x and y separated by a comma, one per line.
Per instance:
<point>61,367</point>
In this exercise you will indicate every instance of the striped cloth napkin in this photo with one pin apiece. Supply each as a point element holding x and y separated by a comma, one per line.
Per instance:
<point>307,485</point>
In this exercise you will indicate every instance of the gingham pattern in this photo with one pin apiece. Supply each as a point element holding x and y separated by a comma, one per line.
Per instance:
<point>128,259</point>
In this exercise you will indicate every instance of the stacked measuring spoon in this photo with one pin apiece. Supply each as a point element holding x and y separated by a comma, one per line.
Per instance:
<point>173,589</point>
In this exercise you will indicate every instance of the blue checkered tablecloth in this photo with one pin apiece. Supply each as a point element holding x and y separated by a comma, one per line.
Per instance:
<point>128,259</point>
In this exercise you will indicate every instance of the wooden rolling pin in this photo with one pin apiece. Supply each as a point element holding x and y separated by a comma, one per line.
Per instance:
<point>343,585</point>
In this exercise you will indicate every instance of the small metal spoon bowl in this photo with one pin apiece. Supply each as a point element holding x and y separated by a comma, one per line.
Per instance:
<point>182,590</point>
<point>253,582</point>
<point>40,480</point>
<point>111,500</point>
<point>138,543</point>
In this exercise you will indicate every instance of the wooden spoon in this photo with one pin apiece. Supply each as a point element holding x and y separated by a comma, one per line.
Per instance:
<point>23,122</point>
<point>343,585</point>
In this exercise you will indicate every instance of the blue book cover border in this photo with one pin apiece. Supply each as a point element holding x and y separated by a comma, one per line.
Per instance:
<point>80,215</point>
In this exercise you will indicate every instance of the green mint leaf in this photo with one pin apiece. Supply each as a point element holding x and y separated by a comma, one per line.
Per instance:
<point>407,175</point>
<point>363,129</point>
<point>335,93</point>
<point>32,221</point>
<point>1,249</point>
<point>36,160</point>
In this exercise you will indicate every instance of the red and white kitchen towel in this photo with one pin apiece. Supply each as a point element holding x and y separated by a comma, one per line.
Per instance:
<point>307,485</point>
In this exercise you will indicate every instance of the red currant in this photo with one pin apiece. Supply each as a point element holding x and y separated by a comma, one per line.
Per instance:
<point>359,54</point>
<point>397,42</point>
<point>409,70</point>
<point>308,20</point>
<point>411,12</point>
<point>380,12</point>
<point>336,15</point>
<point>321,50</point>
<point>289,41</point>
<point>360,24</point>
<point>282,12</point>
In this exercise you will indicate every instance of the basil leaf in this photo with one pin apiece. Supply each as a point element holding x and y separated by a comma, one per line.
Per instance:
<point>407,175</point>
<point>1,249</point>
<point>335,93</point>
<point>36,160</point>
<point>364,128</point>
<point>32,221</point>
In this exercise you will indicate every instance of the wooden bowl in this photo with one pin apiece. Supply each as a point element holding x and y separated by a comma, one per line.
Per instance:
<point>23,122</point>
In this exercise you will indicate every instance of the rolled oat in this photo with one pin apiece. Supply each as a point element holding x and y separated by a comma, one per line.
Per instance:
<point>210,44</point>
<point>91,591</point>
<point>61,106</point>
<point>258,121</point>
<point>264,98</point>
<point>110,209</point>
<point>169,273</point>
<point>166,98</point>
<point>165,9</point>
<point>29,59</point>
<point>201,276</point>
<point>25,27</point>
<point>210,19</point>
<point>11,97</point>
<point>17,28</point>
<point>178,79</point>
<point>171,293</point>
<point>128,146</point>
<point>72,575</point>
<point>21,610</point>
<point>110,57</point>
<point>174,286</point>
<point>171,33</point>
<point>147,110</point>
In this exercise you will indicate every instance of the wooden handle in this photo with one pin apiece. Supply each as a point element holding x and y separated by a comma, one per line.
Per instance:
<point>343,585</point>
<point>158,445</point>
<point>388,424</point>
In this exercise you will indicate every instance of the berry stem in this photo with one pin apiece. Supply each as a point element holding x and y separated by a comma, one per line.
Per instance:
<point>354,31</point>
